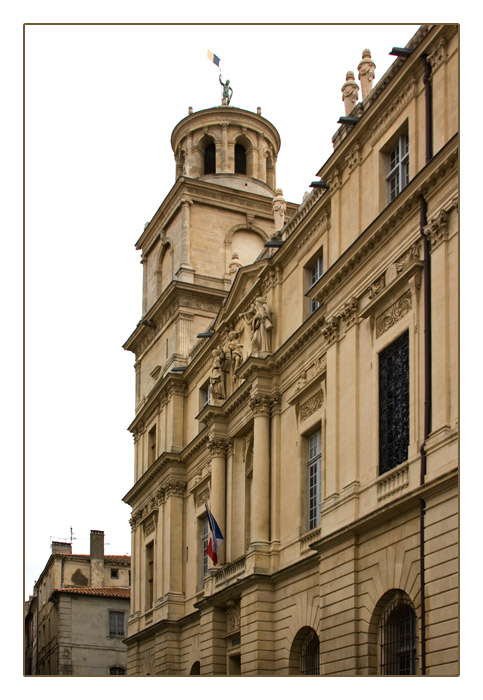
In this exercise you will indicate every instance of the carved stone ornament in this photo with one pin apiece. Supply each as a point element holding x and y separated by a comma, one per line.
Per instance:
<point>331,330</point>
<point>350,92</point>
<point>217,447</point>
<point>232,616</point>
<point>311,405</point>
<point>437,230</point>
<point>202,498</point>
<point>261,405</point>
<point>354,158</point>
<point>393,314</point>
<point>149,526</point>
<point>377,286</point>
<point>438,56</point>
<point>349,313</point>
<point>405,260</point>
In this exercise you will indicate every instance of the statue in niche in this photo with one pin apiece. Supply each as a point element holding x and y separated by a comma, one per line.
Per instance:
<point>259,319</point>
<point>235,350</point>
<point>279,206</point>
<point>217,377</point>
<point>227,92</point>
<point>350,92</point>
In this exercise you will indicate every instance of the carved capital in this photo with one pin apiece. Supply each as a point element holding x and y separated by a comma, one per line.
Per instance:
<point>438,56</point>
<point>349,313</point>
<point>334,181</point>
<point>354,158</point>
<point>174,487</point>
<point>437,230</point>
<point>217,447</point>
<point>331,330</point>
<point>261,405</point>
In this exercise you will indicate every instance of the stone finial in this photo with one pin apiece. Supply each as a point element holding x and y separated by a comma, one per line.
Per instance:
<point>259,111</point>
<point>350,92</point>
<point>190,110</point>
<point>279,206</point>
<point>367,73</point>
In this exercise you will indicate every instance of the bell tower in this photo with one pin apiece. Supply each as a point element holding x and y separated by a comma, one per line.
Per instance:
<point>216,218</point>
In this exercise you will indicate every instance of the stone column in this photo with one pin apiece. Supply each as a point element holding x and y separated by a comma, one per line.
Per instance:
<point>185,232</point>
<point>144,263</point>
<point>224,147</point>
<point>262,163</point>
<point>260,506</point>
<point>218,483</point>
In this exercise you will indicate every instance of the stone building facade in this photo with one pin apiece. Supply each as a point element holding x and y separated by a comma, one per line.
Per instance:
<point>75,622</point>
<point>297,370</point>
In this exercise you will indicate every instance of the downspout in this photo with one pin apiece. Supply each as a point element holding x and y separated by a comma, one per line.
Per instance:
<point>423,207</point>
<point>427,415</point>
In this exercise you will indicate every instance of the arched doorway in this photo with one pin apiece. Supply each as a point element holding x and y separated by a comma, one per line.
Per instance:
<point>305,653</point>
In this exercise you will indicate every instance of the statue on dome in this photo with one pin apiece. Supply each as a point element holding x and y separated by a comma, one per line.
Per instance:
<point>227,91</point>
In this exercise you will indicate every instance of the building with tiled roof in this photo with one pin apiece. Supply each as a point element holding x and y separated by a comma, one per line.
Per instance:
<point>76,619</point>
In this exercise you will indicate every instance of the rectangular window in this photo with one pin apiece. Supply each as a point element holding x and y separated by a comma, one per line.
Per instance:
<point>398,167</point>
<point>204,395</point>
<point>152,446</point>
<point>394,404</point>
<point>204,544</point>
<point>314,473</point>
<point>116,623</point>
<point>114,573</point>
<point>117,671</point>
<point>149,575</point>
<point>315,271</point>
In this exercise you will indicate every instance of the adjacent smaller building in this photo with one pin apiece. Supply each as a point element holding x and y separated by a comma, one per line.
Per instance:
<point>75,621</point>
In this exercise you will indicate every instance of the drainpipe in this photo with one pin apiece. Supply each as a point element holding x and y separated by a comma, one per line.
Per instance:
<point>428,95</point>
<point>427,413</point>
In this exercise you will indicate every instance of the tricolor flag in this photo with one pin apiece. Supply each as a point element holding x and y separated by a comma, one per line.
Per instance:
<point>213,58</point>
<point>216,538</point>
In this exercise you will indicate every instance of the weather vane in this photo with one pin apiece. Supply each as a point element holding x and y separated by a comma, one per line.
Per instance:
<point>227,90</point>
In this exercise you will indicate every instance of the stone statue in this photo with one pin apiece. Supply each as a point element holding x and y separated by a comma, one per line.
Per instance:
<point>350,92</point>
<point>279,206</point>
<point>367,73</point>
<point>259,319</point>
<point>227,91</point>
<point>235,264</point>
<point>186,164</point>
<point>217,377</point>
<point>235,350</point>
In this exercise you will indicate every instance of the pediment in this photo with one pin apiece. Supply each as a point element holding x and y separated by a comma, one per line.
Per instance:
<point>242,290</point>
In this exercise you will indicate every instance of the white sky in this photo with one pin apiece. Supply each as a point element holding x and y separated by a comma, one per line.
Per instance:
<point>100,105</point>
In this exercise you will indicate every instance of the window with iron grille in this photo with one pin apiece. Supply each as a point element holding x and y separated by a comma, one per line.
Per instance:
<point>394,404</point>
<point>310,655</point>
<point>398,167</point>
<point>314,463</point>
<point>117,671</point>
<point>398,656</point>
<point>116,623</point>
<point>315,273</point>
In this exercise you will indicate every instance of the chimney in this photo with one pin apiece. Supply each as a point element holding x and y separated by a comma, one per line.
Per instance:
<point>61,547</point>
<point>97,559</point>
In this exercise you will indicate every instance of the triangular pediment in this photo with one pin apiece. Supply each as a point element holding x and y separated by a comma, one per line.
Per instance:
<point>244,287</point>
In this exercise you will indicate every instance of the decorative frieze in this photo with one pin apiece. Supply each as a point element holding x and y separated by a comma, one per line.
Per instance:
<point>393,314</point>
<point>397,105</point>
<point>311,405</point>
<point>354,158</point>
<point>377,286</point>
<point>405,260</point>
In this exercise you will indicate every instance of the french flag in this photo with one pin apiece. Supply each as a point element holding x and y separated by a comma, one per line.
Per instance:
<point>216,538</point>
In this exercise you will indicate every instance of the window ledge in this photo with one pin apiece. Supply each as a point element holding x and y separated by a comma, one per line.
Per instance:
<point>393,481</point>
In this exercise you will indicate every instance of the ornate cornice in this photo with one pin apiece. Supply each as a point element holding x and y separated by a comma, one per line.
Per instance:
<point>400,101</point>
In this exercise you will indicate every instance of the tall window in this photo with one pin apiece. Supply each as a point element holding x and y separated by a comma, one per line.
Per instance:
<point>398,167</point>
<point>149,575</point>
<point>315,273</point>
<point>240,159</point>
<point>398,640</point>
<point>152,446</point>
<point>394,404</point>
<point>116,623</point>
<point>310,656</point>
<point>314,464</point>
<point>210,159</point>
<point>204,544</point>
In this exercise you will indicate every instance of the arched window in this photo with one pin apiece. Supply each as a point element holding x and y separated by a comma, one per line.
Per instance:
<point>397,639</point>
<point>195,669</point>
<point>305,653</point>
<point>210,159</point>
<point>240,159</point>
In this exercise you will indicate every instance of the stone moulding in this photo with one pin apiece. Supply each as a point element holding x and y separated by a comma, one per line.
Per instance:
<point>311,405</point>
<point>309,537</point>
<point>392,482</point>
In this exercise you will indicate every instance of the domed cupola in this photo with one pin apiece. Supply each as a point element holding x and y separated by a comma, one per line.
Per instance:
<point>228,146</point>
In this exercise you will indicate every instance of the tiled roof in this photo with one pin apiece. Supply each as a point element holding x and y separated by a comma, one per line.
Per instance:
<point>110,558</point>
<point>105,591</point>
